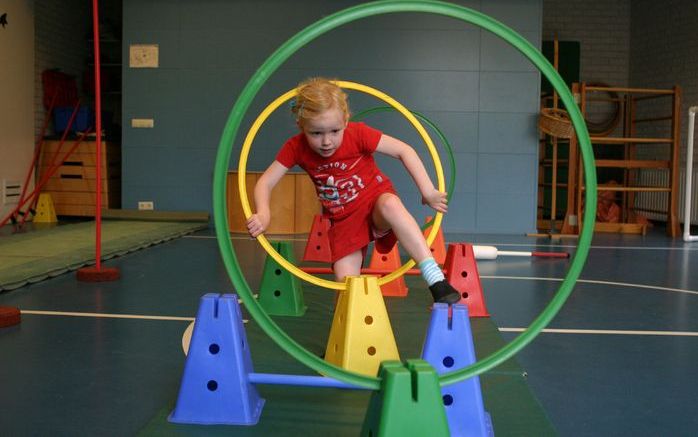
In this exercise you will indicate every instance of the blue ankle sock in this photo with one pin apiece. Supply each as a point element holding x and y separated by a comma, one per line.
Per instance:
<point>431,272</point>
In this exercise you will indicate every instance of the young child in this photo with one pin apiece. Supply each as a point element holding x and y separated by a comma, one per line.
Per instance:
<point>358,198</point>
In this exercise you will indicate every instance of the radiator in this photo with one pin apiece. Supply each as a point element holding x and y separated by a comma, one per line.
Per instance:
<point>646,203</point>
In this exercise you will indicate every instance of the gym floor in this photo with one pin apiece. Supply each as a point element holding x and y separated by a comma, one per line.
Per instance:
<point>619,359</point>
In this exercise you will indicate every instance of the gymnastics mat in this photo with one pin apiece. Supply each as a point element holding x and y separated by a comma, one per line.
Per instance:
<point>33,256</point>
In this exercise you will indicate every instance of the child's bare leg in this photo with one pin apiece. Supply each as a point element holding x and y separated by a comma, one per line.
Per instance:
<point>350,265</point>
<point>389,212</point>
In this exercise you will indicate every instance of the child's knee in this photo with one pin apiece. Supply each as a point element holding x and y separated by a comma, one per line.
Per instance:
<point>389,205</point>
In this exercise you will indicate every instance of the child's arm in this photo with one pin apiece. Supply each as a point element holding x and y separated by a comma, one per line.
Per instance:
<point>402,151</point>
<point>259,221</point>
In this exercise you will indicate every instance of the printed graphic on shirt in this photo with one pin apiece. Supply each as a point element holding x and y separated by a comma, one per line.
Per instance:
<point>338,189</point>
<point>346,179</point>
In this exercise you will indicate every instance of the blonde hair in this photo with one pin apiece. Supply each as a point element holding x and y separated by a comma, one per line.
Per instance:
<point>317,95</point>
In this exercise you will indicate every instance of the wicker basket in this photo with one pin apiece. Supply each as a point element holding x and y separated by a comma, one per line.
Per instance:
<point>555,122</point>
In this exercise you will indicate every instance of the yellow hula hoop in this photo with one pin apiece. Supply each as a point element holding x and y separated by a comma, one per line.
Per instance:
<point>242,169</point>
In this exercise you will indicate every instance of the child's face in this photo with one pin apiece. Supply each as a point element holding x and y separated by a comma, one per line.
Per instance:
<point>325,132</point>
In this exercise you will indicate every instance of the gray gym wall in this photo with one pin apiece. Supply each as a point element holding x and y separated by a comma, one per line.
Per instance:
<point>479,91</point>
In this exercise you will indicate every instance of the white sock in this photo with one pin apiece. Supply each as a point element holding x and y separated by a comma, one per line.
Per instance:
<point>431,272</point>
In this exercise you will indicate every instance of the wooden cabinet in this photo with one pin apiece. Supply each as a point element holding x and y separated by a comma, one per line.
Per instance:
<point>293,203</point>
<point>72,185</point>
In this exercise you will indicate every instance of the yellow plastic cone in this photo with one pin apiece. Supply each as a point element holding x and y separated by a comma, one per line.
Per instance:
<point>45,212</point>
<point>361,336</point>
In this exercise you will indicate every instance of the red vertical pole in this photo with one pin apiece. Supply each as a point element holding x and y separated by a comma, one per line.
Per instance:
<point>98,131</point>
<point>97,273</point>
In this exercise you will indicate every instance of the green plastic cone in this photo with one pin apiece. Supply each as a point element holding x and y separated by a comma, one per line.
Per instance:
<point>408,403</point>
<point>280,293</point>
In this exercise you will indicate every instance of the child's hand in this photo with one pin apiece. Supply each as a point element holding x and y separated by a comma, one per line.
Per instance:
<point>257,224</point>
<point>436,200</point>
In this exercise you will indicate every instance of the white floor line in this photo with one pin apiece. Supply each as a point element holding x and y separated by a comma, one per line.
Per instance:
<point>586,281</point>
<point>591,281</point>
<point>106,315</point>
<point>608,332</point>
<point>114,316</point>
<point>573,246</point>
<point>480,243</point>
<point>503,329</point>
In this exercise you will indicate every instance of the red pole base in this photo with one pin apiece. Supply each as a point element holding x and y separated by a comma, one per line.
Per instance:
<point>9,316</point>
<point>91,274</point>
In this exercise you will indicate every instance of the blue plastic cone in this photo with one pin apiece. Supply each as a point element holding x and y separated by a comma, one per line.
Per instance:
<point>215,386</point>
<point>449,347</point>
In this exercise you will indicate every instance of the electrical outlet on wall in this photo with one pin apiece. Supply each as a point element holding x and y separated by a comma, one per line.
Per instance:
<point>144,205</point>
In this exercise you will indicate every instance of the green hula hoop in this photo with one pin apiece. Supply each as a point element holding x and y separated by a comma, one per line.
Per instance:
<point>442,137</point>
<point>274,62</point>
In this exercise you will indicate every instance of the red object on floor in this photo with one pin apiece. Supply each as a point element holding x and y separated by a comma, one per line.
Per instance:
<point>461,273</point>
<point>9,316</point>
<point>318,246</point>
<point>93,274</point>
<point>438,247</point>
<point>550,254</point>
<point>389,262</point>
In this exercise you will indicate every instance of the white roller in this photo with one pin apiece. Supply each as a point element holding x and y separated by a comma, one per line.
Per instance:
<point>491,252</point>
<point>485,252</point>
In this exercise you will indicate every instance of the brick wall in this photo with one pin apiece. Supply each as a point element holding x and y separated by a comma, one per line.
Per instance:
<point>664,50</point>
<point>603,29</point>
<point>643,43</point>
<point>61,31</point>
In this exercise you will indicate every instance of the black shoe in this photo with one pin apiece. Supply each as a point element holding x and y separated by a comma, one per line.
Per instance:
<point>443,292</point>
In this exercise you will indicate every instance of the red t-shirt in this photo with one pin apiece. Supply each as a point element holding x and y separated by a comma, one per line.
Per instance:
<point>346,179</point>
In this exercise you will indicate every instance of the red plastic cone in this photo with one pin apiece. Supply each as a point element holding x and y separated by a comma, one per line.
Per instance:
<point>389,262</point>
<point>318,246</point>
<point>461,273</point>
